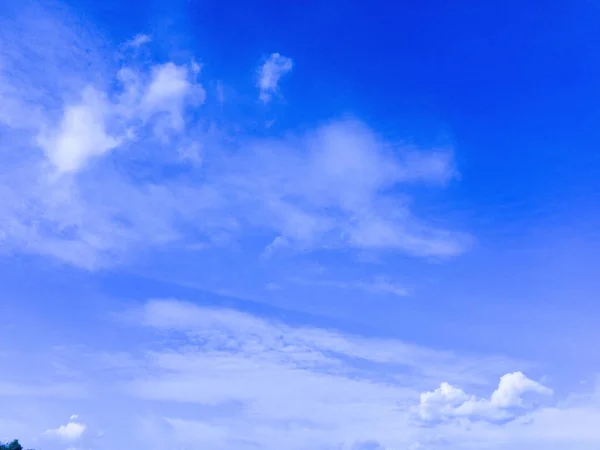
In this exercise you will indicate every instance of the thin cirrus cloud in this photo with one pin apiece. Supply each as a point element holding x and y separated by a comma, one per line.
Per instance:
<point>379,285</point>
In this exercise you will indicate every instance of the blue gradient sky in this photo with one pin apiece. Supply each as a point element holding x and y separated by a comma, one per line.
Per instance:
<point>344,225</point>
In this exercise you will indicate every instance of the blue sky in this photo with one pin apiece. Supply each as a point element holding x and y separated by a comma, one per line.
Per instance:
<point>321,225</point>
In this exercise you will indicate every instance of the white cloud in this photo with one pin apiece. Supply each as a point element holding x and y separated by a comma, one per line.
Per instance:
<point>270,73</point>
<point>72,431</point>
<point>81,134</point>
<point>512,386</point>
<point>313,343</point>
<point>335,187</point>
<point>338,186</point>
<point>202,377</point>
<point>167,91</point>
<point>158,99</point>
<point>448,401</point>
<point>276,383</point>
<point>261,383</point>
<point>138,40</point>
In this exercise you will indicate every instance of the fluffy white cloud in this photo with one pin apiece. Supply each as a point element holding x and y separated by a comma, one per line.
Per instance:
<point>448,401</point>
<point>72,431</point>
<point>167,91</point>
<point>512,386</point>
<point>81,134</point>
<point>270,73</point>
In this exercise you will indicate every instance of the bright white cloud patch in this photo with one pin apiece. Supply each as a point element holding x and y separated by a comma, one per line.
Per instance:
<point>81,134</point>
<point>72,431</point>
<point>270,73</point>
<point>448,401</point>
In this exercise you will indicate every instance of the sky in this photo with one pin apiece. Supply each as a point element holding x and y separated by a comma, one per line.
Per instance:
<point>232,225</point>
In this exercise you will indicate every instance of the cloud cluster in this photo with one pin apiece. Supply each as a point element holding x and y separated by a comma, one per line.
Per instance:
<point>85,182</point>
<point>97,123</point>
<point>448,401</point>
<point>338,187</point>
<point>213,378</point>
<point>259,383</point>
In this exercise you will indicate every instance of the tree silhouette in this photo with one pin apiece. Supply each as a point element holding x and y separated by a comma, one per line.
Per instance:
<point>14,445</point>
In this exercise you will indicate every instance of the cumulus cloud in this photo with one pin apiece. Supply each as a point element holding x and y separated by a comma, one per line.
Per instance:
<point>80,135</point>
<point>72,431</point>
<point>448,401</point>
<point>270,73</point>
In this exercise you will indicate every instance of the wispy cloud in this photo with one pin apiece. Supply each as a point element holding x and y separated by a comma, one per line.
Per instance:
<point>69,191</point>
<point>323,387</point>
<point>218,378</point>
<point>138,40</point>
<point>262,383</point>
<point>42,390</point>
<point>339,186</point>
<point>379,285</point>
<point>270,73</point>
